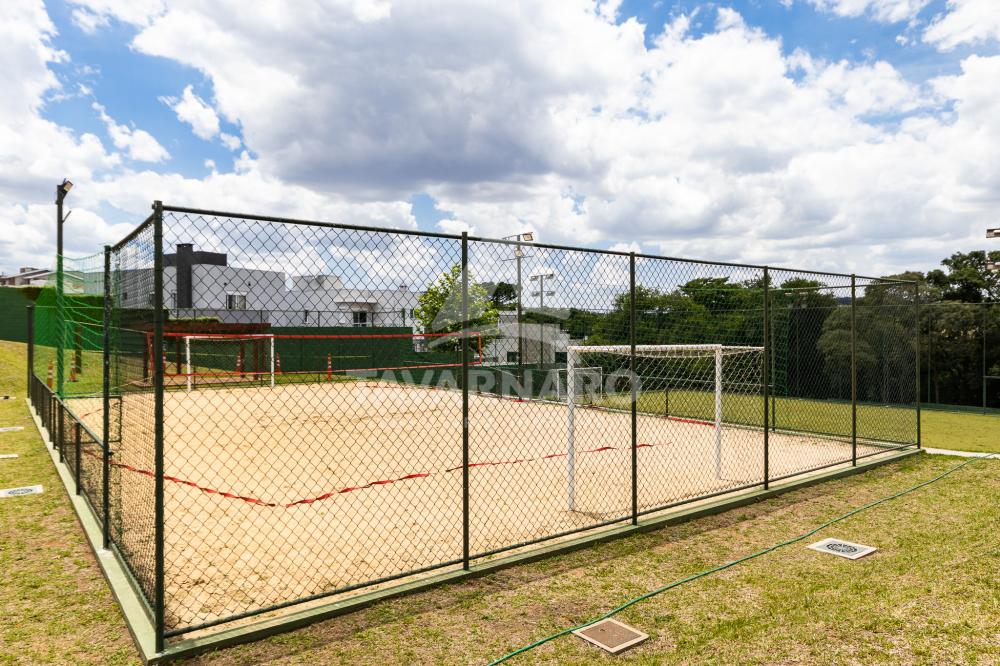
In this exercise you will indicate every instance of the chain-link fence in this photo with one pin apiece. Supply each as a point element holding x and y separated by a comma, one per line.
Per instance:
<point>293,410</point>
<point>960,355</point>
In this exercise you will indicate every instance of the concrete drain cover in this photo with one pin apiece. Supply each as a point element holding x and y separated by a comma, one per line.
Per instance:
<point>611,635</point>
<point>851,551</point>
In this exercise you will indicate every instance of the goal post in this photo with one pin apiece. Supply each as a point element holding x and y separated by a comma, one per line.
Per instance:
<point>700,369</point>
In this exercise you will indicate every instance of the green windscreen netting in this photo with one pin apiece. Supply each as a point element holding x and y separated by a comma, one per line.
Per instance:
<point>69,330</point>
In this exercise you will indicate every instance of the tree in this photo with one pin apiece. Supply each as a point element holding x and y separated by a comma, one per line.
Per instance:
<point>967,278</point>
<point>439,309</point>
<point>502,294</point>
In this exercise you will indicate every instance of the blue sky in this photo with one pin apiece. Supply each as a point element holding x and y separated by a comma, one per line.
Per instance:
<point>440,119</point>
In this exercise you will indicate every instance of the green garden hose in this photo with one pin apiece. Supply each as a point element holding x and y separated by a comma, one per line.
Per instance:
<point>733,563</point>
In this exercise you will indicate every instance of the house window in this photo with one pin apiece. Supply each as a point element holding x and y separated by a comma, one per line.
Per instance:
<point>236,301</point>
<point>511,357</point>
<point>360,318</point>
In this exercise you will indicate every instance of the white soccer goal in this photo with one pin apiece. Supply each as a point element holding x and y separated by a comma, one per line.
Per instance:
<point>708,370</point>
<point>220,357</point>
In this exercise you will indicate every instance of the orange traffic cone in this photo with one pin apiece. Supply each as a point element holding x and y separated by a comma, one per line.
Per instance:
<point>49,377</point>
<point>329,366</point>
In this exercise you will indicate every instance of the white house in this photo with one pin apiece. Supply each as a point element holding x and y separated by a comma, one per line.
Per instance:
<point>547,342</point>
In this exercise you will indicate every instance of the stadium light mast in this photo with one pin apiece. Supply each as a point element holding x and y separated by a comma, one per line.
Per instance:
<point>523,237</point>
<point>62,189</point>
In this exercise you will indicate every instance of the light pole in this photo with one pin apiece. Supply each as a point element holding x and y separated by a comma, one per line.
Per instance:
<point>541,277</point>
<point>527,237</point>
<point>62,189</point>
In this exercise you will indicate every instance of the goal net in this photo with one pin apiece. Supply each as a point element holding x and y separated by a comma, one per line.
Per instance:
<point>260,359</point>
<point>703,383</point>
<point>226,360</point>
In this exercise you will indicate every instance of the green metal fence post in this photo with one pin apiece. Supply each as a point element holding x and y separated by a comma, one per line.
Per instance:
<point>31,350</point>
<point>158,583</point>
<point>854,373</point>
<point>765,378</point>
<point>60,428</point>
<point>634,381</point>
<point>772,374</point>
<point>76,455</point>
<point>982,328</point>
<point>465,400</point>
<point>106,400</point>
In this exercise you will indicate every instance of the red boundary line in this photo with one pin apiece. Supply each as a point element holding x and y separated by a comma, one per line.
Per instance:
<point>348,489</point>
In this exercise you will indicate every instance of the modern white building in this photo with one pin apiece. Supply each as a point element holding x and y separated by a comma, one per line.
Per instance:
<point>545,342</point>
<point>203,284</point>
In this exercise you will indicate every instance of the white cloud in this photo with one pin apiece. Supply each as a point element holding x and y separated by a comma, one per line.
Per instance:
<point>139,144</point>
<point>89,21</point>
<point>885,11</point>
<point>556,118</point>
<point>965,22</point>
<point>229,141</point>
<point>192,110</point>
<point>34,153</point>
<point>96,13</point>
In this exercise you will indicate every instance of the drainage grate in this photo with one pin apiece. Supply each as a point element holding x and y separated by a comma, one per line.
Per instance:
<point>611,635</point>
<point>840,548</point>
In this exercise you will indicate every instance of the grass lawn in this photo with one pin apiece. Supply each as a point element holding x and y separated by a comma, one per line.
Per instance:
<point>963,431</point>
<point>929,596</point>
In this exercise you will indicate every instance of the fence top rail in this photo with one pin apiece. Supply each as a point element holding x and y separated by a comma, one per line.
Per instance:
<point>496,241</point>
<point>132,234</point>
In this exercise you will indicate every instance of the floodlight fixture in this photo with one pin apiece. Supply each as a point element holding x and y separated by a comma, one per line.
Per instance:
<point>993,233</point>
<point>529,236</point>
<point>66,186</point>
<point>544,275</point>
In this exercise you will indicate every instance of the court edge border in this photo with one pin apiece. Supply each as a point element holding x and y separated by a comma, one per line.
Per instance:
<point>143,632</point>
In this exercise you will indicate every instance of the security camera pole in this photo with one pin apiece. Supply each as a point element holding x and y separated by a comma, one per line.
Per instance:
<point>62,189</point>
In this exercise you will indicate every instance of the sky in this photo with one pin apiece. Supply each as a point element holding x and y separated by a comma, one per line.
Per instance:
<point>841,135</point>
